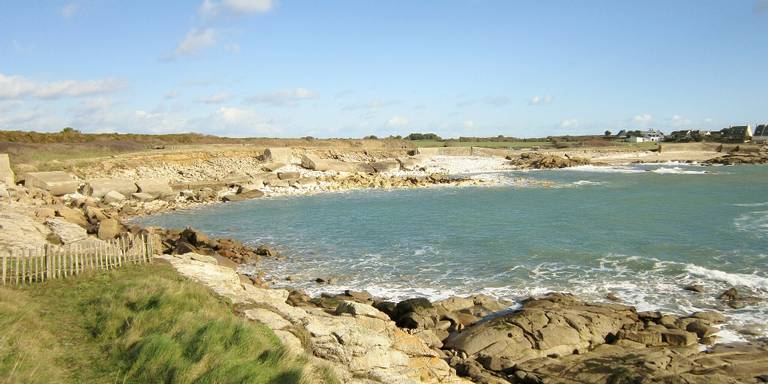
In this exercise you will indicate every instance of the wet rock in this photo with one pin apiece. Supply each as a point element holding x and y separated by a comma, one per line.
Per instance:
<point>266,250</point>
<point>252,194</point>
<point>737,299</point>
<point>709,316</point>
<point>695,288</point>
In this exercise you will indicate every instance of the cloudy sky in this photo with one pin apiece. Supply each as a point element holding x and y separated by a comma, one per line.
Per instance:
<point>352,68</point>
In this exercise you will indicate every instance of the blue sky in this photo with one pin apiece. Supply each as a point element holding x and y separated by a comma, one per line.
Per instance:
<point>357,67</point>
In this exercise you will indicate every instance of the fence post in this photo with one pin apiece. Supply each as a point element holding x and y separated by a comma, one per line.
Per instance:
<point>5,261</point>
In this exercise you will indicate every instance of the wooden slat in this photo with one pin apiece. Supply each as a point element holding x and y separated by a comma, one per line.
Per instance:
<point>5,264</point>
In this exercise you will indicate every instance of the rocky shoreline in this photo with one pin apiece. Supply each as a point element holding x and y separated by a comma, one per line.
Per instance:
<point>554,338</point>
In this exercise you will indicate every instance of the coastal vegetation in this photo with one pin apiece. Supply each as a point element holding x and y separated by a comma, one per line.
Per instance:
<point>137,325</point>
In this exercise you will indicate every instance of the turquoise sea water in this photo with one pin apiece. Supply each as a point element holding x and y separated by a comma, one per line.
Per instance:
<point>641,232</point>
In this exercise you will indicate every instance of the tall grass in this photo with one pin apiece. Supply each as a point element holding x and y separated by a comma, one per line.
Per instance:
<point>137,325</point>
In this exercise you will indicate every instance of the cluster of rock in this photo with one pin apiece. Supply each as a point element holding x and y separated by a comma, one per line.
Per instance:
<point>556,338</point>
<point>360,342</point>
<point>177,242</point>
<point>535,160</point>
<point>737,158</point>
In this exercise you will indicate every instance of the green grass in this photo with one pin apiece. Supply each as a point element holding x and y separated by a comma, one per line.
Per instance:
<point>142,324</point>
<point>484,144</point>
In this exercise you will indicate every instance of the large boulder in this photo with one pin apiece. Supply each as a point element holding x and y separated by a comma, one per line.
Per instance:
<point>315,163</point>
<point>108,229</point>
<point>386,166</point>
<point>65,231</point>
<point>556,325</point>
<point>100,187</point>
<point>113,197</point>
<point>6,173</point>
<point>56,182</point>
<point>155,187</point>
<point>20,231</point>
<point>74,216</point>
<point>278,155</point>
<point>246,195</point>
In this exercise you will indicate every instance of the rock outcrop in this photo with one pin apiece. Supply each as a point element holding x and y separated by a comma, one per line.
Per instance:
<point>359,341</point>
<point>6,173</point>
<point>101,186</point>
<point>561,339</point>
<point>535,160</point>
<point>56,182</point>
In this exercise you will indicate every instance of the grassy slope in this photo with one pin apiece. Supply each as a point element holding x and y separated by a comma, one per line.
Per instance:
<point>142,324</point>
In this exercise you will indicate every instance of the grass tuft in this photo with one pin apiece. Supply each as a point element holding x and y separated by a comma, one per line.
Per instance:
<point>142,324</point>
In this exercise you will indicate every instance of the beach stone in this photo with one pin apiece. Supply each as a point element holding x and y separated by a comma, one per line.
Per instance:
<point>20,231</point>
<point>155,187</point>
<point>100,187</point>
<point>694,288</point>
<point>252,194</point>
<point>108,229</point>
<point>279,155</point>
<point>710,316</point>
<point>273,166</point>
<point>6,173</point>
<point>74,216</point>
<point>288,175</point>
<point>65,231</point>
<point>142,196</point>
<point>386,166</point>
<point>45,212</point>
<point>56,182</point>
<point>113,197</point>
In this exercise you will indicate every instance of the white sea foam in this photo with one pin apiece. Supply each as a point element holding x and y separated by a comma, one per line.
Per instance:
<point>752,281</point>
<point>605,169</point>
<point>587,182</point>
<point>752,222</point>
<point>765,204</point>
<point>677,171</point>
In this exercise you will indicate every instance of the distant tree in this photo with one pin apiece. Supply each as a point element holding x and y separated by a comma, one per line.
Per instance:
<point>370,137</point>
<point>607,133</point>
<point>69,131</point>
<point>423,136</point>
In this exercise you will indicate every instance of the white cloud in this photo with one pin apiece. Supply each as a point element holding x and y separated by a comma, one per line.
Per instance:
<point>643,119</point>
<point>17,87</point>
<point>468,124</point>
<point>679,121</point>
<point>233,121</point>
<point>371,106</point>
<point>195,41</point>
<point>540,100</point>
<point>283,98</point>
<point>397,121</point>
<point>569,123</point>
<point>215,98</point>
<point>211,8</point>
<point>232,48</point>
<point>69,10</point>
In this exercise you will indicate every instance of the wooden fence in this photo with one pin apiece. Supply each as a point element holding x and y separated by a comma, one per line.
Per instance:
<point>35,265</point>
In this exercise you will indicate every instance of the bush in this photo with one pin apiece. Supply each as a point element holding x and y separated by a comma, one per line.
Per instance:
<point>423,136</point>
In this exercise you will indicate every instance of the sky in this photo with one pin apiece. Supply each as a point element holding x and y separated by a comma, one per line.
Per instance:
<point>350,68</point>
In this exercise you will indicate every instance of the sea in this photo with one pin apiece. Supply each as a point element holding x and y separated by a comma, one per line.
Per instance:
<point>642,232</point>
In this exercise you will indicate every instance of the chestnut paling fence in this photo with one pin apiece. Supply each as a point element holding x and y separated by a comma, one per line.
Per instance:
<point>25,266</point>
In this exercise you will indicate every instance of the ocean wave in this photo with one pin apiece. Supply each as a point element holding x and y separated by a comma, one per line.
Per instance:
<point>752,222</point>
<point>677,171</point>
<point>587,182</point>
<point>752,281</point>
<point>765,204</point>
<point>605,169</point>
